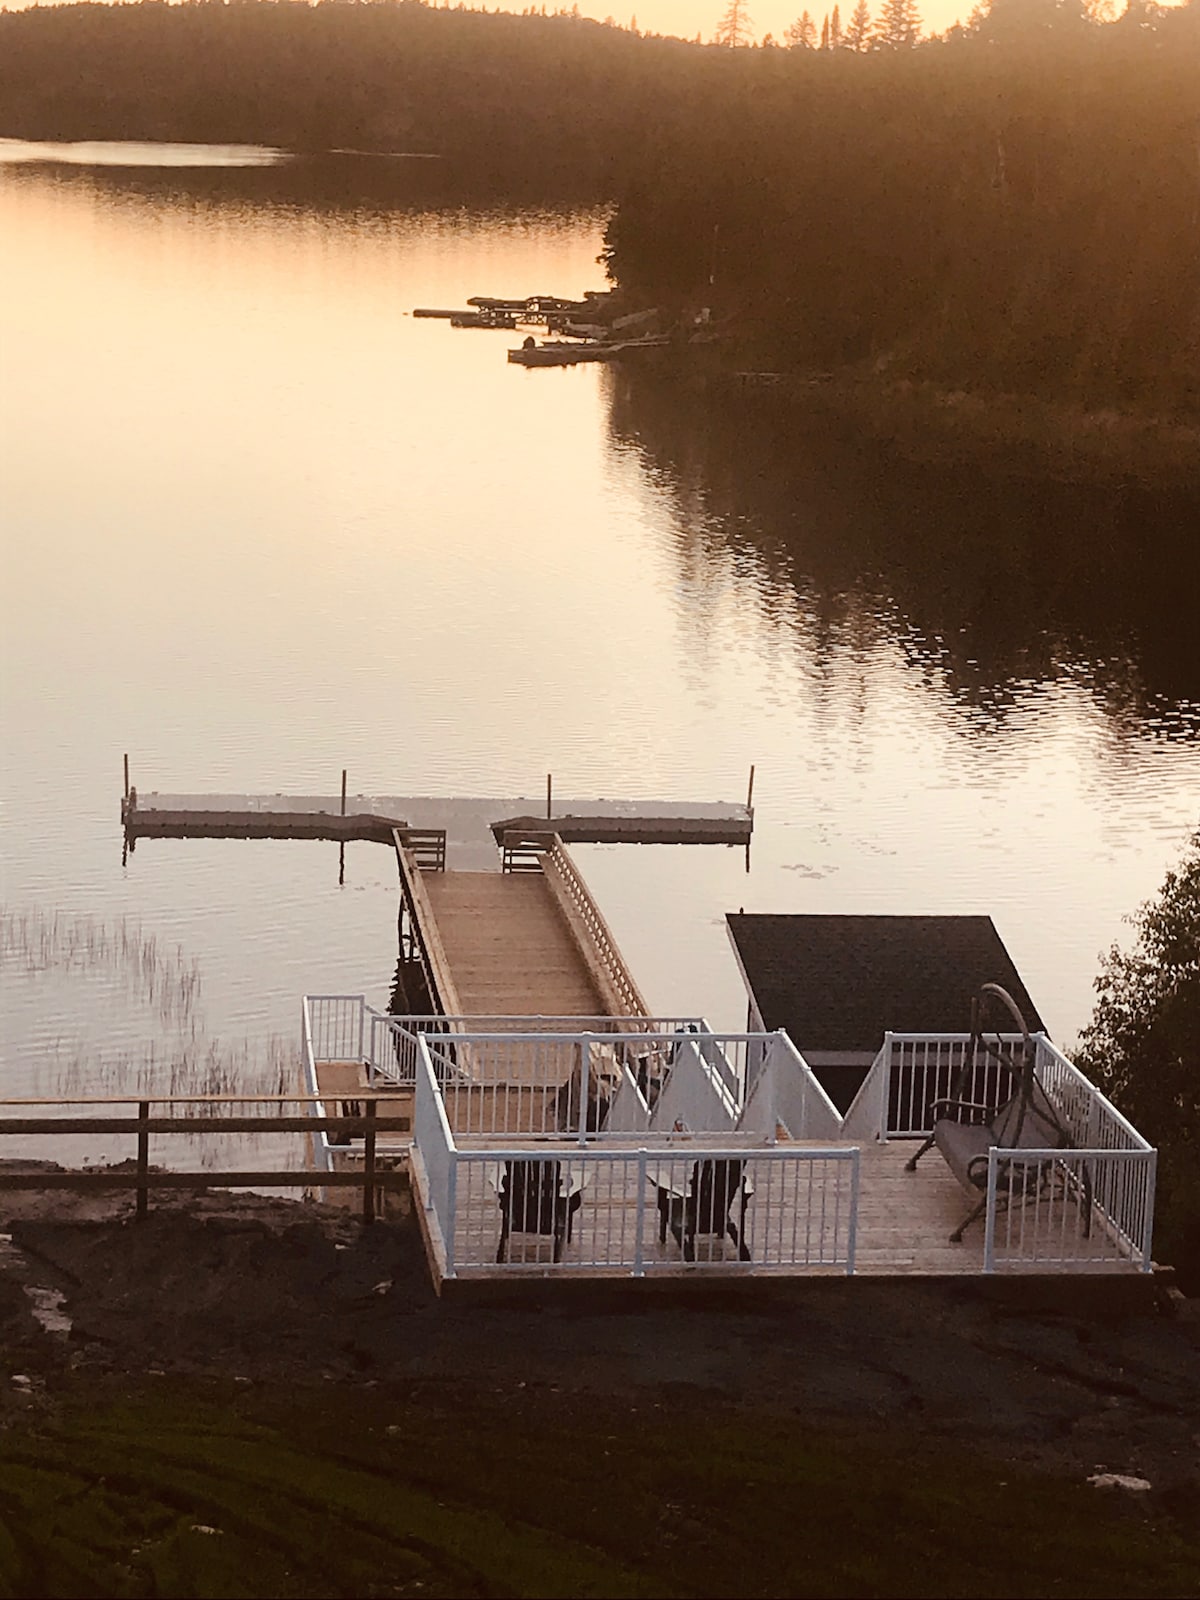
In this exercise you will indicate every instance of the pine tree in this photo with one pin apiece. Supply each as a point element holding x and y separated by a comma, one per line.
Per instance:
<point>857,36</point>
<point>825,32</point>
<point>898,26</point>
<point>735,27</point>
<point>835,30</point>
<point>801,34</point>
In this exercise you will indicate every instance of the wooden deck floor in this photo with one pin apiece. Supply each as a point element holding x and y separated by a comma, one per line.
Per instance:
<point>509,947</point>
<point>904,1223</point>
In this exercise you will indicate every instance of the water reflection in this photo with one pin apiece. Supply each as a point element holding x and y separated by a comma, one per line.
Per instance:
<point>990,588</point>
<point>265,525</point>
<point>136,153</point>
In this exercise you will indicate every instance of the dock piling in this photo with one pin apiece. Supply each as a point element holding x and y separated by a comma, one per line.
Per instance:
<point>127,774</point>
<point>143,1160</point>
<point>549,796</point>
<point>750,790</point>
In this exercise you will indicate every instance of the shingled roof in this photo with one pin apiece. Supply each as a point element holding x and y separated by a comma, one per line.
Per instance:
<point>841,982</point>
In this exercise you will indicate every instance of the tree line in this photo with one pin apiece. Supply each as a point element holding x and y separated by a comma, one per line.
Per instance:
<point>1015,206</point>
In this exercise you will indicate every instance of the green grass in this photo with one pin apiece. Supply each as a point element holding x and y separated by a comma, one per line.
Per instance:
<point>321,1490</point>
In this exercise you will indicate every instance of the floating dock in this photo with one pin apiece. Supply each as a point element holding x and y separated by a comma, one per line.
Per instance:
<point>474,828</point>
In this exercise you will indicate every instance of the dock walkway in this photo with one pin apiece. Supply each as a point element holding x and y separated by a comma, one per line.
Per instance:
<point>509,947</point>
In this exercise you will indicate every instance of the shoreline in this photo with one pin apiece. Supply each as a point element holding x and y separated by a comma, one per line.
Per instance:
<point>1015,435</point>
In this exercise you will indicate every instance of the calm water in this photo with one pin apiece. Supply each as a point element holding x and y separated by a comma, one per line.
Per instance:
<point>260,524</point>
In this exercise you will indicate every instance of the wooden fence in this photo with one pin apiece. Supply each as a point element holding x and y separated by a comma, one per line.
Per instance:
<point>141,1177</point>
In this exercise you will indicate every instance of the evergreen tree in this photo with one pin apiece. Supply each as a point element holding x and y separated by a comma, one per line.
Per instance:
<point>735,27</point>
<point>898,26</point>
<point>801,34</point>
<point>857,36</point>
<point>825,32</point>
<point>1143,1047</point>
<point>835,30</point>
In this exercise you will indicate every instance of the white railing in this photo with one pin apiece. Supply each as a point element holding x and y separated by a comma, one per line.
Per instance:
<point>1094,1203</point>
<point>433,1164</point>
<point>563,1085</point>
<point>338,1026</point>
<point>391,1040</point>
<point>912,1071</point>
<point>322,1150</point>
<point>628,1111</point>
<point>694,1096</point>
<point>1069,1208</point>
<point>714,1208</point>
<point>788,1092</point>
<point>1078,1207</point>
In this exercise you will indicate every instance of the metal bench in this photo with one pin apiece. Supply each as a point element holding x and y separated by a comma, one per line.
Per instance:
<point>966,1131</point>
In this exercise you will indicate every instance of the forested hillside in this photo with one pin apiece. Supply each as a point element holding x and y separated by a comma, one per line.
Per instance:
<point>1014,207</point>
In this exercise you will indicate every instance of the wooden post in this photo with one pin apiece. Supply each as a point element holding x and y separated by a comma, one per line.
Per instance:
<point>143,1160</point>
<point>343,791</point>
<point>127,775</point>
<point>750,790</point>
<point>549,793</point>
<point>369,1164</point>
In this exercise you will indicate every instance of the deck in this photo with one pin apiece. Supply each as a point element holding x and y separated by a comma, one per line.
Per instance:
<point>904,1223</point>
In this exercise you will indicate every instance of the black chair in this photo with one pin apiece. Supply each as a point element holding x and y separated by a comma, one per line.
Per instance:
<point>533,1200</point>
<point>714,1186</point>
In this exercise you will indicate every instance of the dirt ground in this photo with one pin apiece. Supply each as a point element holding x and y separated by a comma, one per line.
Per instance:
<point>277,1313</point>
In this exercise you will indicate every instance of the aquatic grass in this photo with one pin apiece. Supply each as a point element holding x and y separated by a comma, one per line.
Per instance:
<point>105,1010</point>
<point>33,940</point>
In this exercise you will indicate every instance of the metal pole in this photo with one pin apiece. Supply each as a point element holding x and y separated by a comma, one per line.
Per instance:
<point>343,791</point>
<point>750,790</point>
<point>143,1159</point>
<point>127,775</point>
<point>639,1257</point>
<point>549,792</point>
<point>989,1230</point>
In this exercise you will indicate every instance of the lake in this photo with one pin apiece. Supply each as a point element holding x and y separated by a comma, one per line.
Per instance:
<point>259,524</point>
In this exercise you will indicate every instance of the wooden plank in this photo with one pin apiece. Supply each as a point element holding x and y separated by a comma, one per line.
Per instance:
<point>107,1178</point>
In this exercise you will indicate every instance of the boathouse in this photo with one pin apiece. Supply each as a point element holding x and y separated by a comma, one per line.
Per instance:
<point>837,984</point>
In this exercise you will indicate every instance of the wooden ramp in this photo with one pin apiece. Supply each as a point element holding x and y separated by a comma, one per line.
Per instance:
<point>509,946</point>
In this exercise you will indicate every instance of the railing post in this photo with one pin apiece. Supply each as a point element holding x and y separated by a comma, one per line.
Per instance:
<point>369,1163</point>
<point>885,1089</point>
<point>852,1240</point>
<point>585,1068</point>
<point>639,1260</point>
<point>451,1224</point>
<point>989,1227</point>
<point>1148,1221</point>
<point>143,1160</point>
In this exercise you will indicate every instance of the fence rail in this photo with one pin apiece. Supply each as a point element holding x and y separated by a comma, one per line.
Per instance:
<point>207,1118</point>
<point>591,931</point>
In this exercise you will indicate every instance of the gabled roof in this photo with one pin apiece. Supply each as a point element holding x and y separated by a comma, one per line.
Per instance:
<point>841,982</point>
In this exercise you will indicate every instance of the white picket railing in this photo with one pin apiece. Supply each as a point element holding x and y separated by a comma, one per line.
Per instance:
<point>914,1070</point>
<point>784,1208</point>
<point>432,1162</point>
<point>790,1094</point>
